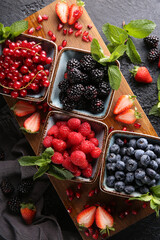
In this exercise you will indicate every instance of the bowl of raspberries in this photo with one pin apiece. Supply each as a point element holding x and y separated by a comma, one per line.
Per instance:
<point>80,85</point>
<point>78,144</point>
<point>131,165</point>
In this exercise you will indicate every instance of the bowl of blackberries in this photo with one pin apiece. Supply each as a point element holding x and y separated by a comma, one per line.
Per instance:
<point>131,165</point>
<point>80,85</point>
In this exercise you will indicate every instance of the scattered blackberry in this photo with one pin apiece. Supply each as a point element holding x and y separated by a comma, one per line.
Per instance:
<point>90,92</point>
<point>25,186</point>
<point>97,75</point>
<point>13,204</point>
<point>73,63</point>
<point>81,105</point>
<point>68,105</point>
<point>63,85</point>
<point>2,155</point>
<point>87,63</point>
<point>97,106</point>
<point>6,187</point>
<point>62,96</point>
<point>153,55</point>
<point>74,76</point>
<point>151,41</point>
<point>103,89</point>
<point>75,92</point>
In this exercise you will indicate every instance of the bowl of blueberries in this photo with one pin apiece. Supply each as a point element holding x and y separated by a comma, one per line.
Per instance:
<point>131,165</point>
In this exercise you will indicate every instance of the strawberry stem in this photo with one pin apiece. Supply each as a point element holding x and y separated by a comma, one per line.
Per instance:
<point>134,70</point>
<point>80,3</point>
<point>137,114</point>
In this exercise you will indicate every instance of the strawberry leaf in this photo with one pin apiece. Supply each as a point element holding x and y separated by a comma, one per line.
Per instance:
<point>132,52</point>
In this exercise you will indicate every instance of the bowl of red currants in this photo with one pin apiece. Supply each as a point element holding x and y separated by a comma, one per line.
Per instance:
<point>131,164</point>
<point>78,144</point>
<point>80,85</point>
<point>26,67</point>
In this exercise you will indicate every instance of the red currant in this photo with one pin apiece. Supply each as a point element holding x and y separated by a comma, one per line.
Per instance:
<point>48,60</point>
<point>14,94</point>
<point>24,69</point>
<point>23,92</point>
<point>17,85</point>
<point>26,78</point>
<point>40,68</point>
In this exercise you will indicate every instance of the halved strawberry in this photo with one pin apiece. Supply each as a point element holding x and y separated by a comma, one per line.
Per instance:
<point>75,12</point>
<point>124,102</point>
<point>22,108</point>
<point>62,10</point>
<point>104,220</point>
<point>32,124</point>
<point>86,217</point>
<point>129,116</point>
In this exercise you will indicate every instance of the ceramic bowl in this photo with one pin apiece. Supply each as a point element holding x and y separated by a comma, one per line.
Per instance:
<point>53,97</point>
<point>110,140</point>
<point>100,129</point>
<point>51,50</point>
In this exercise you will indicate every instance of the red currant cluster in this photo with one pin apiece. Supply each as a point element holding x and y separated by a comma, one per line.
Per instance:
<point>23,68</point>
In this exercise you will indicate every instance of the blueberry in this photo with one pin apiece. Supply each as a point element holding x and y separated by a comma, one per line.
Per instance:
<point>119,186</point>
<point>112,158</point>
<point>142,143</point>
<point>139,182</point>
<point>119,175</point>
<point>145,160</point>
<point>110,181</point>
<point>131,165</point>
<point>115,149</point>
<point>157,150</point>
<point>120,165</point>
<point>158,162</point>
<point>119,142</point>
<point>153,164</point>
<point>144,189</point>
<point>111,167</point>
<point>129,177</point>
<point>123,151</point>
<point>130,151</point>
<point>152,183</point>
<point>118,157</point>
<point>146,180</point>
<point>150,172</point>
<point>132,143</point>
<point>151,154</point>
<point>138,153</point>
<point>139,174</point>
<point>129,189</point>
<point>157,177</point>
<point>150,147</point>
<point>125,158</point>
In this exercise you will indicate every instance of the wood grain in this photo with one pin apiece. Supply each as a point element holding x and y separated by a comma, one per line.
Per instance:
<point>146,127</point>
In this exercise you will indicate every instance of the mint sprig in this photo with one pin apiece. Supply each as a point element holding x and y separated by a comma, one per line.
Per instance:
<point>45,165</point>
<point>155,110</point>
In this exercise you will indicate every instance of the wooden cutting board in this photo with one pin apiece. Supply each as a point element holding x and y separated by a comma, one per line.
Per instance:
<point>146,127</point>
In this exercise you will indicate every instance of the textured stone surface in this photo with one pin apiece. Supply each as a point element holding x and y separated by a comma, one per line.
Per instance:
<point>114,12</point>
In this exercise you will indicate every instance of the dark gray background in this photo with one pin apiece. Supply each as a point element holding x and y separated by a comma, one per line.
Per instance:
<point>114,12</point>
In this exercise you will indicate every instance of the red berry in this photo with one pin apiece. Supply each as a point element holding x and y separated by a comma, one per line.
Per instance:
<point>91,135</point>
<point>94,141</point>
<point>47,142</point>
<point>50,33</point>
<point>75,138</point>
<point>57,158</point>
<point>45,17</point>
<point>24,69</point>
<point>43,57</point>
<point>69,165</point>
<point>70,31</point>
<point>78,33</point>
<point>53,131</point>
<point>60,26</point>
<point>87,172</point>
<point>87,146</point>
<point>31,30</point>
<point>137,125</point>
<point>90,38</point>
<point>85,129</point>
<point>17,85</point>
<point>46,83</point>
<point>60,48</point>
<point>23,92</point>
<point>60,123</point>
<point>91,193</point>
<point>85,33</point>
<point>39,27</point>
<point>12,45</point>
<point>64,31</point>
<point>48,60</point>
<point>63,132</point>
<point>64,43</point>
<point>78,195</point>
<point>96,152</point>
<point>53,38</point>
<point>69,192</point>
<point>39,18</point>
<point>74,123</point>
<point>59,145</point>
<point>78,26</point>
<point>85,39</point>
<point>89,26</point>
<point>78,158</point>
<point>14,94</point>
<point>124,129</point>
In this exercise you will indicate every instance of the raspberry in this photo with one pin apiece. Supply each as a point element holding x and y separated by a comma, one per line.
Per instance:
<point>75,138</point>
<point>79,159</point>
<point>59,145</point>
<point>77,173</point>
<point>85,129</point>
<point>87,172</point>
<point>74,123</point>
<point>63,132</point>
<point>65,154</point>
<point>53,131</point>
<point>67,164</point>
<point>94,141</point>
<point>96,152</point>
<point>91,135</point>
<point>47,142</point>
<point>60,123</point>
<point>57,158</point>
<point>89,158</point>
<point>87,146</point>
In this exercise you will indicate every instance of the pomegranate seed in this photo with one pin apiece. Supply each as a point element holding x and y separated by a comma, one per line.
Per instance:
<point>90,38</point>
<point>85,39</point>
<point>95,236</point>
<point>31,30</point>
<point>64,31</point>
<point>69,210</point>
<point>39,27</point>
<point>79,186</point>
<point>111,129</point>
<point>78,195</point>
<point>65,75</point>
<point>69,192</point>
<point>128,202</point>
<point>86,233</point>
<point>125,141</point>
<point>85,33</point>
<point>78,26</point>
<point>71,198</point>
<point>134,212</point>
<point>90,229</point>
<point>39,18</point>
<point>78,33</point>
<point>96,190</point>
<point>109,210</point>
<point>89,26</point>
<point>86,205</point>
<point>45,17</point>
<point>91,193</point>
<point>126,212</point>
<point>53,38</point>
<point>50,33</point>
<point>144,205</point>
<point>124,129</point>
<point>64,43</point>
<point>70,31</point>
<point>60,48</point>
<point>137,125</point>
<point>60,26</point>
<point>121,215</point>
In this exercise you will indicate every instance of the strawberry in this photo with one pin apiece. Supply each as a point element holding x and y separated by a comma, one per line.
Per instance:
<point>104,220</point>
<point>28,212</point>
<point>32,124</point>
<point>86,217</point>
<point>75,11</point>
<point>62,10</point>
<point>129,116</point>
<point>22,108</point>
<point>124,102</point>
<point>141,74</point>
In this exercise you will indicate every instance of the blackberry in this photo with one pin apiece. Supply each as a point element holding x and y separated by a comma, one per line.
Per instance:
<point>151,41</point>
<point>153,55</point>
<point>87,63</point>
<point>74,76</point>
<point>2,155</point>
<point>97,75</point>
<point>13,204</point>
<point>68,105</point>
<point>103,89</point>
<point>90,92</point>
<point>25,186</point>
<point>73,63</point>
<point>63,85</point>
<point>84,79</point>
<point>81,105</point>
<point>6,187</point>
<point>97,106</point>
<point>75,92</point>
<point>62,96</point>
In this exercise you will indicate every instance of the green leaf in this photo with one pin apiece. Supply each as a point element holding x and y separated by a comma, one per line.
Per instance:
<point>114,76</point>
<point>96,50</point>
<point>80,3</point>
<point>6,32</point>
<point>3,40</point>
<point>155,111</point>
<point>18,27</point>
<point>114,34</point>
<point>59,172</point>
<point>48,153</point>
<point>158,83</point>
<point>155,190</point>
<point>28,160</point>
<point>140,28</point>
<point>1,28</point>
<point>42,161</point>
<point>158,106</point>
<point>42,170</point>
<point>145,197</point>
<point>159,96</point>
<point>111,47</point>
<point>155,207</point>
<point>156,200</point>
<point>132,52</point>
<point>118,52</point>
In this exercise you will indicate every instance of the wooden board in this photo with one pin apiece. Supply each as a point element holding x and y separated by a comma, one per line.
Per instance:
<point>146,127</point>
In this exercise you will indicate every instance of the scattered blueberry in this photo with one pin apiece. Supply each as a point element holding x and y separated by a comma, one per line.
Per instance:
<point>150,147</point>
<point>129,177</point>
<point>129,189</point>
<point>132,143</point>
<point>119,186</point>
<point>142,143</point>
<point>120,165</point>
<point>139,174</point>
<point>120,142</point>
<point>138,153</point>
<point>153,164</point>
<point>110,181</point>
<point>111,167</point>
<point>150,172</point>
<point>131,165</point>
<point>151,154</point>
<point>130,151</point>
<point>125,158</point>
<point>144,189</point>
<point>123,151</point>
<point>119,175</point>
<point>112,158</point>
<point>157,150</point>
<point>115,149</point>
<point>145,160</point>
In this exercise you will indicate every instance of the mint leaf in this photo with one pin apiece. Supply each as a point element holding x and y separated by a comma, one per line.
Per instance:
<point>111,47</point>
<point>155,111</point>
<point>155,190</point>
<point>140,28</point>
<point>48,153</point>
<point>6,32</point>
<point>155,207</point>
<point>42,170</point>
<point>28,160</point>
<point>114,77</point>
<point>118,52</point>
<point>96,50</point>
<point>1,28</point>
<point>145,197</point>
<point>59,172</point>
<point>18,27</point>
<point>42,161</point>
<point>132,52</point>
<point>156,200</point>
<point>114,34</point>
<point>158,83</point>
<point>159,96</point>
